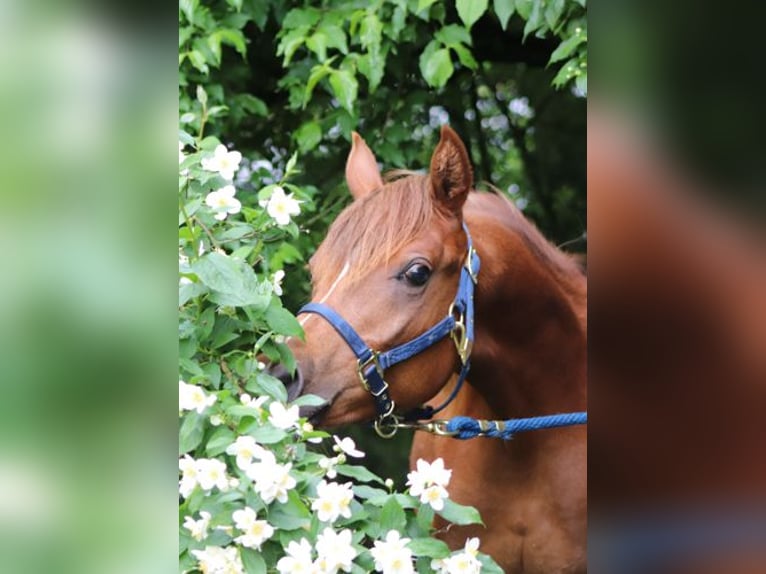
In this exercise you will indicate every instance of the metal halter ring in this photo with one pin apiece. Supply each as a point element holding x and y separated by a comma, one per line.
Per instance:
<point>387,426</point>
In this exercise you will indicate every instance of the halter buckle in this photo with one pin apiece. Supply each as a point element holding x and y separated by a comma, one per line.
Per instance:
<point>459,336</point>
<point>362,367</point>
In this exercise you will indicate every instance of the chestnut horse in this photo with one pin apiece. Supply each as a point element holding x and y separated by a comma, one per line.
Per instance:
<point>390,265</point>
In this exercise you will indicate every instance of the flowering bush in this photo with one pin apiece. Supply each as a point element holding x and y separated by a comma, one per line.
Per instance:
<point>259,490</point>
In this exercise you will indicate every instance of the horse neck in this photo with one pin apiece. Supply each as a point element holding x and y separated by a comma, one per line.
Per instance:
<point>529,355</point>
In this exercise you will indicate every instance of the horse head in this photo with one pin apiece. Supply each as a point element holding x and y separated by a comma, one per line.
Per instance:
<point>390,267</point>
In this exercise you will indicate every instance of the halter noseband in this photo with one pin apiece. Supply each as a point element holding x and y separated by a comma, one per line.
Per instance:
<point>371,364</point>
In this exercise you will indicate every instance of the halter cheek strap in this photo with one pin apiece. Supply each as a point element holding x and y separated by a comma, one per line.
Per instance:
<point>371,365</point>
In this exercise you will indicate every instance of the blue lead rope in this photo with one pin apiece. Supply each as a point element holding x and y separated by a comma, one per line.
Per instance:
<point>467,427</point>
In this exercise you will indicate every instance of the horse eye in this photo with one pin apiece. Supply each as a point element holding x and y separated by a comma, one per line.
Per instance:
<point>417,274</point>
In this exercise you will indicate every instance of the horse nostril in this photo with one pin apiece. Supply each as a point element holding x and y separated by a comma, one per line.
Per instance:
<point>293,384</point>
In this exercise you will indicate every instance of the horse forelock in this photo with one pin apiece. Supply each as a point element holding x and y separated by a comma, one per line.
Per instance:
<point>370,231</point>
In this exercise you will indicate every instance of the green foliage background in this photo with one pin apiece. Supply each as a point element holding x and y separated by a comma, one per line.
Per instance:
<point>282,77</point>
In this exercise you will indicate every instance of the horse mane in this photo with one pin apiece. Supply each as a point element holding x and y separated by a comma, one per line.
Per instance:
<point>373,228</point>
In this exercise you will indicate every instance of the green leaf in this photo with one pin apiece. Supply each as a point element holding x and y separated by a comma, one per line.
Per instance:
<point>459,514</point>
<point>436,65</point>
<point>290,42</point>
<point>309,401</point>
<point>317,73</point>
<point>392,516</point>
<point>233,38</point>
<point>219,441</point>
<point>336,37</point>
<point>364,491</point>
<point>233,281</point>
<point>252,105</point>
<point>471,10</point>
<point>271,386</point>
<point>291,515</point>
<point>567,73</point>
<point>290,165</point>
<point>358,472</point>
<point>308,135</point>
<point>301,17</point>
<point>428,547</point>
<point>489,566</point>
<point>553,11</point>
<point>191,432</point>
<point>281,321</point>
<point>268,435</point>
<point>504,10</point>
<point>425,517</point>
<point>189,290</point>
<point>252,561</point>
<point>535,20</point>
<point>465,57</point>
<point>236,4</point>
<point>317,43</point>
<point>524,8</point>
<point>371,32</point>
<point>344,86</point>
<point>452,35</point>
<point>198,61</point>
<point>205,323</point>
<point>567,47</point>
<point>424,4</point>
<point>188,7</point>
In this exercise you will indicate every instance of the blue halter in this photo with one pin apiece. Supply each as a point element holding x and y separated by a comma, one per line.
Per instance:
<point>371,364</point>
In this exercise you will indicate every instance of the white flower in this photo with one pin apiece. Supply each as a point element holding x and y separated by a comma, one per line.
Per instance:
<point>347,445</point>
<point>465,562</point>
<point>198,528</point>
<point>256,532</point>
<point>328,465</point>
<point>276,282</point>
<point>335,550</point>
<point>245,449</point>
<point>188,467</point>
<point>193,398</point>
<point>435,496</point>
<point>392,556</point>
<point>212,473</point>
<point>217,560</point>
<point>271,480</point>
<point>333,500</point>
<point>223,202</point>
<point>223,161</point>
<point>283,418</point>
<point>297,560</point>
<point>181,154</point>
<point>428,475</point>
<point>281,207</point>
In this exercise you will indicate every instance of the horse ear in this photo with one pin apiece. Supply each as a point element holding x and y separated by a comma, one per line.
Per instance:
<point>362,173</point>
<point>451,173</point>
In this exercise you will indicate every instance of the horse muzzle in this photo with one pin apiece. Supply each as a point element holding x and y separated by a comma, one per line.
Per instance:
<point>295,386</point>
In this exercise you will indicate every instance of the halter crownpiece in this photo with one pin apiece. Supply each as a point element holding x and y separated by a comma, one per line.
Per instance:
<point>371,364</point>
